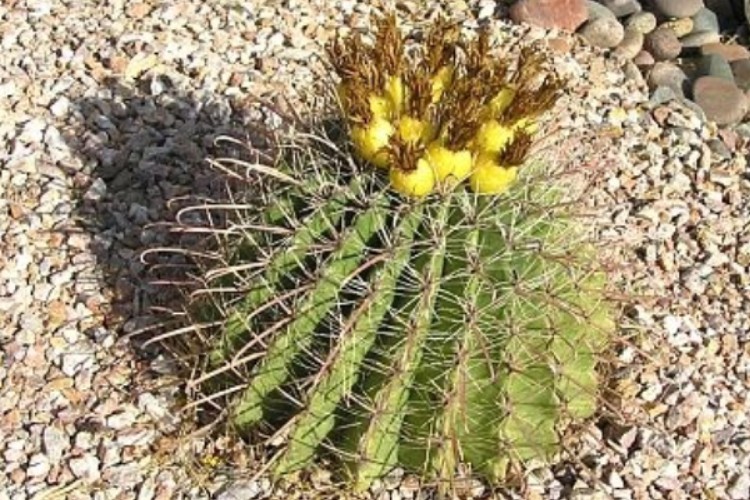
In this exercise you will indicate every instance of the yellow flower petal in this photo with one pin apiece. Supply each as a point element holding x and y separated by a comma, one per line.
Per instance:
<point>441,81</point>
<point>417,183</point>
<point>380,107</point>
<point>370,141</point>
<point>449,166</point>
<point>502,100</point>
<point>492,137</point>
<point>394,92</point>
<point>414,130</point>
<point>490,178</point>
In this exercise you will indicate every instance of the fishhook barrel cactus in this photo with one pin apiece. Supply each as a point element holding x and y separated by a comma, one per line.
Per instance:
<point>437,304</point>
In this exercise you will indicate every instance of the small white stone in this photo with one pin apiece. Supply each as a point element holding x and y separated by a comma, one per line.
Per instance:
<point>60,107</point>
<point>672,324</point>
<point>55,443</point>
<point>39,466</point>
<point>740,488</point>
<point>85,467</point>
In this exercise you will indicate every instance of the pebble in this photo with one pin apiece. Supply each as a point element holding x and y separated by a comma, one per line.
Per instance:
<point>715,65</point>
<point>85,467</point>
<point>631,44</point>
<point>622,8</point>
<point>596,10</point>
<point>605,32</point>
<point>681,27</point>
<point>667,74</point>
<point>56,442</point>
<point>240,490</point>
<point>741,72</point>
<point>39,466</point>
<point>662,43</point>
<point>740,487</point>
<point>706,20</point>
<point>697,39</point>
<point>60,107</point>
<point>720,99</point>
<point>564,14</point>
<point>678,8</point>
<point>729,52</point>
<point>643,21</point>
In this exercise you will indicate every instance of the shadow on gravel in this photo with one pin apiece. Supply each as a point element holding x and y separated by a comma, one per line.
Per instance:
<point>145,148</point>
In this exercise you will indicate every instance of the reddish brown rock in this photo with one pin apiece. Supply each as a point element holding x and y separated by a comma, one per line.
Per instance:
<point>729,52</point>
<point>721,100</point>
<point>564,14</point>
<point>663,44</point>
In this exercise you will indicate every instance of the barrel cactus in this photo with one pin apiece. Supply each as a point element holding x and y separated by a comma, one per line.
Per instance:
<point>430,301</point>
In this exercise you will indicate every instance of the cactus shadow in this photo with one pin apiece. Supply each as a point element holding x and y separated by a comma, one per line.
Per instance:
<point>143,150</point>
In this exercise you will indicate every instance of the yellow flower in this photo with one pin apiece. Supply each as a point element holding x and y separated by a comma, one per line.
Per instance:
<point>380,107</point>
<point>528,125</point>
<point>492,137</point>
<point>449,166</point>
<point>414,130</point>
<point>441,81</point>
<point>418,182</point>
<point>502,100</point>
<point>394,92</point>
<point>489,177</point>
<point>371,141</point>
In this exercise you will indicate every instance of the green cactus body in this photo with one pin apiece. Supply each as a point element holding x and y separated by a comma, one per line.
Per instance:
<point>456,329</point>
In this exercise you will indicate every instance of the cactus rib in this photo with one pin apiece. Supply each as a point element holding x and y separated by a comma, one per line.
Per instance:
<point>274,369</point>
<point>379,444</point>
<point>356,338</point>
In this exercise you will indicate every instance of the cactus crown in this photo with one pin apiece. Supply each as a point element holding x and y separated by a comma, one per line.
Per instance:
<point>443,333</point>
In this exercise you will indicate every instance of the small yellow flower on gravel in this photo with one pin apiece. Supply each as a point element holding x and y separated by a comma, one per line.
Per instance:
<point>417,183</point>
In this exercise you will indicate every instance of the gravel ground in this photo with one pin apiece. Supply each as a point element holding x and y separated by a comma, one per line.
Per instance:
<point>108,109</point>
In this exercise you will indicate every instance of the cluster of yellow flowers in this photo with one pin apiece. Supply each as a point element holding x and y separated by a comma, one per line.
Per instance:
<point>450,111</point>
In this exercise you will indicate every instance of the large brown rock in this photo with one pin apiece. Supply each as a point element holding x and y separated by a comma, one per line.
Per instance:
<point>720,99</point>
<point>564,14</point>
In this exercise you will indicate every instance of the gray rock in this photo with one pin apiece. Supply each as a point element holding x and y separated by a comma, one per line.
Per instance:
<point>678,8</point>
<point>715,65</point>
<point>96,190</point>
<point>240,490</point>
<point>605,32</point>
<point>741,72</point>
<point>698,38</point>
<point>662,95</point>
<point>643,21</point>
<point>724,12</point>
<point>663,44</point>
<point>631,44</point>
<point>596,10</point>
<point>622,8</point>
<point>705,20</point>
<point>667,74</point>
